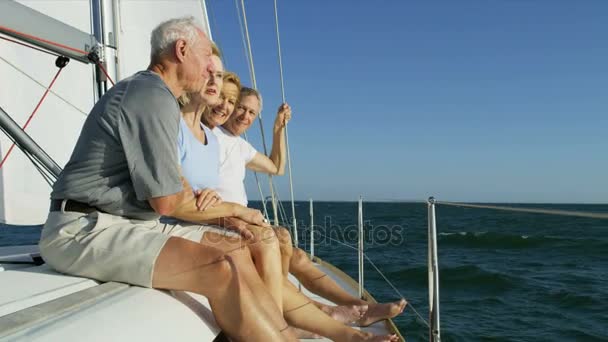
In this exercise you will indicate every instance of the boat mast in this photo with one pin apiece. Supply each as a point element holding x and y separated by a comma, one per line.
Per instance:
<point>103,16</point>
<point>97,29</point>
<point>26,143</point>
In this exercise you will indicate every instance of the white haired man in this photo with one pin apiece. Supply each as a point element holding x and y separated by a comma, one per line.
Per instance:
<point>123,174</point>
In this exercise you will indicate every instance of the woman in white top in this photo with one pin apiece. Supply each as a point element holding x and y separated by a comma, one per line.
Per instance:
<point>236,154</point>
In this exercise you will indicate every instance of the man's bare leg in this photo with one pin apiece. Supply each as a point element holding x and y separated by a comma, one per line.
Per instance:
<point>184,265</point>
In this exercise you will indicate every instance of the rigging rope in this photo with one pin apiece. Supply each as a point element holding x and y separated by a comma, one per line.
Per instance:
<point>282,212</point>
<point>105,72</point>
<point>238,13</point>
<point>293,206</point>
<point>257,181</point>
<point>254,84</point>
<point>33,113</point>
<point>255,174</point>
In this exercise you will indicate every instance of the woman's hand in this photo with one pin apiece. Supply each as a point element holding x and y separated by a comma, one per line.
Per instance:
<point>237,225</point>
<point>206,198</point>
<point>253,216</point>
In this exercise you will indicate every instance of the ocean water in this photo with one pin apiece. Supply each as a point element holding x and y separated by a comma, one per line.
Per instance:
<point>503,276</point>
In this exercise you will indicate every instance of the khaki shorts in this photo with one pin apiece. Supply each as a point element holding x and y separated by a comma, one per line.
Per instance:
<point>111,248</point>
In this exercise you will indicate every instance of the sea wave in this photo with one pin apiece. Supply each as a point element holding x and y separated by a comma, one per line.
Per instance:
<point>460,277</point>
<point>572,299</point>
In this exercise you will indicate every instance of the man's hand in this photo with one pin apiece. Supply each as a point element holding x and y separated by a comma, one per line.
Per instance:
<point>207,198</point>
<point>237,225</point>
<point>283,116</point>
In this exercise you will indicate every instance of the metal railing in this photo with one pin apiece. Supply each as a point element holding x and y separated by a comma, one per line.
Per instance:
<point>433,263</point>
<point>433,271</point>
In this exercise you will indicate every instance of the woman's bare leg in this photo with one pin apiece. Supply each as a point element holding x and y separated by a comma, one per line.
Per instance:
<point>266,254</point>
<point>249,272</point>
<point>318,282</point>
<point>286,247</point>
<point>184,265</point>
<point>344,313</point>
<point>301,313</point>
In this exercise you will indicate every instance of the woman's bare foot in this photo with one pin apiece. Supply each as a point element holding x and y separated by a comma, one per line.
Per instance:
<point>361,336</point>
<point>345,313</point>
<point>379,311</point>
<point>304,334</point>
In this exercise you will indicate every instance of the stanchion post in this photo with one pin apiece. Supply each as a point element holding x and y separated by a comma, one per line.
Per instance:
<point>312,231</point>
<point>360,249</point>
<point>433,272</point>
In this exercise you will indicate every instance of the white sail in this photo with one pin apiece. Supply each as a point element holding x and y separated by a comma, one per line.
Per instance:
<point>135,21</point>
<point>24,195</point>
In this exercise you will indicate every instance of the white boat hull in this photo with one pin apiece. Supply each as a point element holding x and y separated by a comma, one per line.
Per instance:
<point>39,304</point>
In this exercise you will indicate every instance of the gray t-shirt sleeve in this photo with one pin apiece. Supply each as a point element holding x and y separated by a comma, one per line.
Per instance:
<point>148,130</point>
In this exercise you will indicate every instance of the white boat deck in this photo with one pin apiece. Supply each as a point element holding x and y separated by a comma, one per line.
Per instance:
<point>38,304</point>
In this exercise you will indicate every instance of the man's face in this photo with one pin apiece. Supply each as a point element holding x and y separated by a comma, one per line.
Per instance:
<point>197,65</point>
<point>244,115</point>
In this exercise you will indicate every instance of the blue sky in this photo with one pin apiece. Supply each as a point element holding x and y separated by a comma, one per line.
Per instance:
<point>487,100</point>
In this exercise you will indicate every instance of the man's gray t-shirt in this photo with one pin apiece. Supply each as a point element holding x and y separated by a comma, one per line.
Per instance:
<point>126,151</point>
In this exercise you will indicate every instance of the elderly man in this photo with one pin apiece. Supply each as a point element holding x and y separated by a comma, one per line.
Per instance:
<point>123,174</point>
<point>236,155</point>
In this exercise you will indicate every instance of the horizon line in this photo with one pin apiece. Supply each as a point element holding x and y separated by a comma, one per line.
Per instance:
<point>425,201</point>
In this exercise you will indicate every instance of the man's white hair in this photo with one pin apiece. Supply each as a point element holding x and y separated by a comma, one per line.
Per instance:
<point>167,33</point>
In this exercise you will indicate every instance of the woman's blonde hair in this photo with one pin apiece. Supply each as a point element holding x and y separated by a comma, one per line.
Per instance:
<point>231,77</point>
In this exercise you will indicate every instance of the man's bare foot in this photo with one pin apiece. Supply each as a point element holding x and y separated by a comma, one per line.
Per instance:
<point>304,334</point>
<point>345,313</point>
<point>380,311</point>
